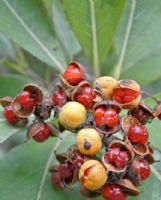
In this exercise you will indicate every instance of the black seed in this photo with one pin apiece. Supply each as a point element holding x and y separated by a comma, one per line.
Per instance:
<point>87,145</point>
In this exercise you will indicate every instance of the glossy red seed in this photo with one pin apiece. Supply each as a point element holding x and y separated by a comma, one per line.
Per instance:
<point>55,179</point>
<point>73,74</point>
<point>66,170</point>
<point>24,97</point>
<point>29,104</point>
<point>9,115</point>
<point>112,154</point>
<point>43,134</point>
<point>144,169</point>
<point>99,116</point>
<point>59,97</point>
<point>86,96</point>
<point>138,134</point>
<point>111,117</point>
<point>113,192</point>
<point>125,95</point>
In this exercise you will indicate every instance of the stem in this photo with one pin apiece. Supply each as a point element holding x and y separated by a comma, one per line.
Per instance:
<point>48,163</point>
<point>151,96</point>
<point>119,65</point>
<point>156,173</point>
<point>94,39</point>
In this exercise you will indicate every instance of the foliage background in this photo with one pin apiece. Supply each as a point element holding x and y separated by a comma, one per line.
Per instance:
<point>38,38</point>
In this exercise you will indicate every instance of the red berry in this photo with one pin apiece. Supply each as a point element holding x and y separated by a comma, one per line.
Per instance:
<point>111,117</point>
<point>26,100</point>
<point>24,97</point>
<point>30,104</point>
<point>118,157</point>
<point>113,192</point>
<point>125,95</point>
<point>9,115</point>
<point>144,169</point>
<point>43,134</point>
<point>66,170</point>
<point>59,97</point>
<point>86,96</point>
<point>138,134</point>
<point>73,74</point>
<point>55,179</point>
<point>99,116</point>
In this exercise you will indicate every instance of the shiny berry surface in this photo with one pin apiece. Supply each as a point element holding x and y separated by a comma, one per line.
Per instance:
<point>86,96</point>
<point>26,100</point>
<point>138,134</point>
<point>59,97</point>
<point>144,169</point>
<point>66,170</point>
<point>117,157</point>
<point>73,74</point>
<point>55,179</point>
<point>9,115</point>
<point>122,95</point>
<point>113,192</point>
<point>99,116</point>
<point>43,134</point>
<point>111,117</point>
<point>24,97</point>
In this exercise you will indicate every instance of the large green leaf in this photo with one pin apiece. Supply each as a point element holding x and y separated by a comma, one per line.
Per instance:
<point>21,172</point>
<point>11,85</point>
<point>138,41</point>
<point>94,22</point>
<point>26,23</point>
<point>63,31</point>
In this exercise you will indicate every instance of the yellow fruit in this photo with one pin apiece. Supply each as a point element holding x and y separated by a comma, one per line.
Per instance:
<point>89,141</point>
<point>106,84</point>
<point>72,115</point>
<point>93,175</point>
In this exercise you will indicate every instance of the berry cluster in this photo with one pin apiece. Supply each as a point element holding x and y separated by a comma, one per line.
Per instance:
<point>112,154</point>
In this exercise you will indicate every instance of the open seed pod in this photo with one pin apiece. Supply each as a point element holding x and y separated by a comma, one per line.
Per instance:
<point>5,101</point>
<point>149,157</point>
<point>124,147</point>
<point>143,113</point>
<point>78,90</point>
<point>82,69</point>
<point>105,130</point>
<point>128,187</point>
<point>35,90</point>
<point>127,94</point>
<point>126,123</point>
<point>20,111</point>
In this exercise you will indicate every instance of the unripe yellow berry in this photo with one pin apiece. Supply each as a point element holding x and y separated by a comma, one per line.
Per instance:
<point>89,141</point>
<point>106,84</point>
<point>93,175</point>
<point>72,115</point>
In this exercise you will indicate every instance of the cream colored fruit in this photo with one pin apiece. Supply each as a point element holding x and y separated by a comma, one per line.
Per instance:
<point>106,84</point>
<point>96,176</point>
<point>72,115</point>
<point>89,141</point>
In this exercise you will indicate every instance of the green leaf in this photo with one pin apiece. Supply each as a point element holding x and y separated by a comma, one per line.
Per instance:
<point>63,31</point>
<point>21,172</point>
<point>138,41</point>
<point>26,23</point>
<point>11,85</point>
<point>94,22</point>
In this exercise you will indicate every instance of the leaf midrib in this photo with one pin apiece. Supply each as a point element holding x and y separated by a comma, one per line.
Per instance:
<point>32,35</point>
